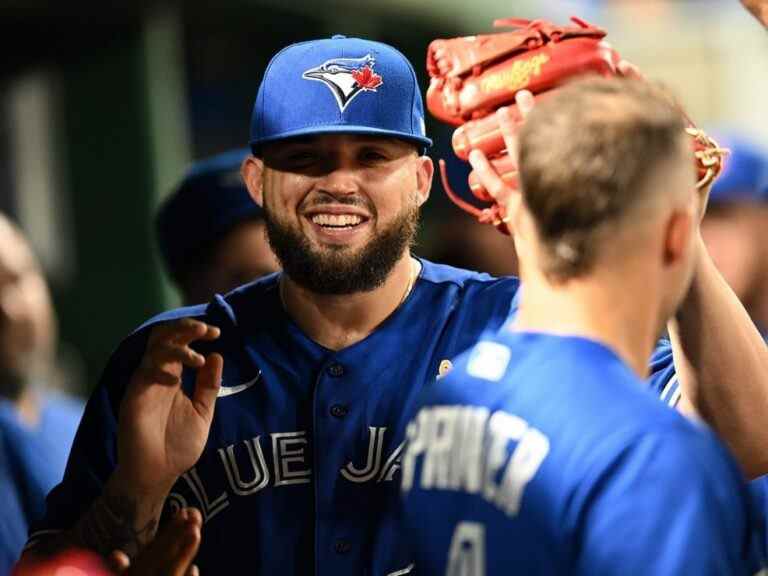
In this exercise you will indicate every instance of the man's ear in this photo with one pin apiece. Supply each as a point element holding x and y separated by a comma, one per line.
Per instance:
<point>251,170</point>
<point>677,236</point>
<point>424,175</point>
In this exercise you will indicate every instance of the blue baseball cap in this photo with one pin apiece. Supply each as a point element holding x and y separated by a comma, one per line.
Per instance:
<point>209,202</point>
<point>745,176</point>
<point>338,85</point>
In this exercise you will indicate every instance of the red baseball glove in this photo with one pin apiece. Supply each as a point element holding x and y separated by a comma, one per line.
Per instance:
<point>473,76</point>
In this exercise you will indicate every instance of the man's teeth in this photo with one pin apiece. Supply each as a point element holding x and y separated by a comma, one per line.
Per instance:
<point>338,220</point>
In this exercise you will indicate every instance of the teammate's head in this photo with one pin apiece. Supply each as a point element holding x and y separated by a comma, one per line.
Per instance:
<point>608,181</point>
<point>27,323</point>
<point>337,137</point>
<point>735,227</point>
<point>211,233</point>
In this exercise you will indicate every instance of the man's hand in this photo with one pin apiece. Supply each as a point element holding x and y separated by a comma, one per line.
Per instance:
<point>161,434</point>
<point>505,195</point>
<point>162,431</point>
<point>759,9</point>
<point>170,554</point>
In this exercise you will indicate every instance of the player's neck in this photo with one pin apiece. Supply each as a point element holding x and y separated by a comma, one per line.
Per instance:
<point>337,322</point>
<point>602,309</point>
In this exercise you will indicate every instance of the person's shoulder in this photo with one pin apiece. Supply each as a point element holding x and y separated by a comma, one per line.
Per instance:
<point>222,309</point>
<point>443,274</point>
<point>197,312</point>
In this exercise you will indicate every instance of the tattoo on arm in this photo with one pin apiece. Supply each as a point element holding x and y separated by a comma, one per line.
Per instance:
<point>110,524</point>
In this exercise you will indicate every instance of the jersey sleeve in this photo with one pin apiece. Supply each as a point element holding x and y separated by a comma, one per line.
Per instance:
<point>663,376</point>
<point>666,505</point>
<point>94,451</point>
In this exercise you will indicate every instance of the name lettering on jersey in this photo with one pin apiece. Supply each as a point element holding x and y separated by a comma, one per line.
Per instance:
<point>258,474</point>
<point>468,449</point>
<point>372,469</point>
<point>248,469</point>
<point>288,452</point>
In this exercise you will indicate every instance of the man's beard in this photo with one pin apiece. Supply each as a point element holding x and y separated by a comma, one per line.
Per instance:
<point>334,271</point>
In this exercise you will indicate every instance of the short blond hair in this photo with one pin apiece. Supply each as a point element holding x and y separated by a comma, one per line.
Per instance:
<point>586,154</point>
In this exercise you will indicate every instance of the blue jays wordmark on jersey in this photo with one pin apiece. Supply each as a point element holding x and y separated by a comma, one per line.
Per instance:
<point>544,455</point>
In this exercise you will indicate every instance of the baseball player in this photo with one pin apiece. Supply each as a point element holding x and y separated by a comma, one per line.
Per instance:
<point>37,422</point>
<point>542,452</point>
<point>280,409</point>
<point>211,233</point>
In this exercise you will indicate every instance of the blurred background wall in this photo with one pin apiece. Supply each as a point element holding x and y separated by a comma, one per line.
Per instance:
<point>103,105</point>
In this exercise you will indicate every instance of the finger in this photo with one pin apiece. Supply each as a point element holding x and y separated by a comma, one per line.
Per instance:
<point>194,517</point>
<point>193,570</point>
<point>488,177</point>
<point>189,543</point>
<point>170,330</point>
<point>161,355</point>
<point>163,363</point>
<point>183,331</point>
<point>118,561</point>
<point>629,70</point>
<point>508,130</point>
<point>525,102</point>
<point>172,551</point>
<point>207,385</point>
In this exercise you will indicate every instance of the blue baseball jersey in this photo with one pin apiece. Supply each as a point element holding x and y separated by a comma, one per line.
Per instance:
<point>667,387</point>
<point>32,461</point>
<point>300,474</point>
<point>545,455</point>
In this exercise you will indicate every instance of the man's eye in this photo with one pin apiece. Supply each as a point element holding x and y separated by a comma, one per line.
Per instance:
<point>374,156</point>
<point>302,156</point>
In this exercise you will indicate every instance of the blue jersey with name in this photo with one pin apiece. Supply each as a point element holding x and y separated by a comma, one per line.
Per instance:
<point>546,455</point>
<point>301,470</point>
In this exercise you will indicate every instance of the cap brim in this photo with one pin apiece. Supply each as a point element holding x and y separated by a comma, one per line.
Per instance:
<point>421,141</point>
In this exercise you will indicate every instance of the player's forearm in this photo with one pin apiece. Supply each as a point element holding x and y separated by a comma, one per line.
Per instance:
<point>722,364</point>
<point>119,519</point>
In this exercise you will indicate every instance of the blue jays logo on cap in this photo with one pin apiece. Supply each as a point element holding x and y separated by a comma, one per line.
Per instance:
<point>346,77</point>
<point>288,106</point>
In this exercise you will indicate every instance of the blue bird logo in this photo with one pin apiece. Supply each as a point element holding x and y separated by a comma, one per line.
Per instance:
<point>346,77</point>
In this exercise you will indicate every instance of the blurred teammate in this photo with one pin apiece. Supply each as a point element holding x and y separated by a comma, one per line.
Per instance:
<point>735,227</point>
<point>211,232</point>
<point>37,425</point>
<point>541,452</point>
<point>292,448</point>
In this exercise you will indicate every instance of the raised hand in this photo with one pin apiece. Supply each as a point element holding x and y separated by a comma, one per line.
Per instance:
<point>162,431</point>
<point>161,434</point>
<point>501,191</point>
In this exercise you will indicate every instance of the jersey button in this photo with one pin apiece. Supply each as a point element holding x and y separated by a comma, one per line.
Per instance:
<point>336,370</point>
<point>339,410</point>
<point>342,546</point>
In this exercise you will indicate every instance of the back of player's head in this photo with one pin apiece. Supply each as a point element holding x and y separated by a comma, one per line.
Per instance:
<point>338,85</point>
<point>589,158</point>
<point>209,202</point>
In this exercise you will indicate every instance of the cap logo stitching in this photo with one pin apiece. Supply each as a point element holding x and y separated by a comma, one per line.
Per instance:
<point>346,77</point>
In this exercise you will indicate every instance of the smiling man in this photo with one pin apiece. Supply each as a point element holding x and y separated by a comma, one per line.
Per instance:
<point>280,409</point>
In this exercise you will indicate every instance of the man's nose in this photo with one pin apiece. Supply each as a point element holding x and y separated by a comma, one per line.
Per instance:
<point>341,180</point>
